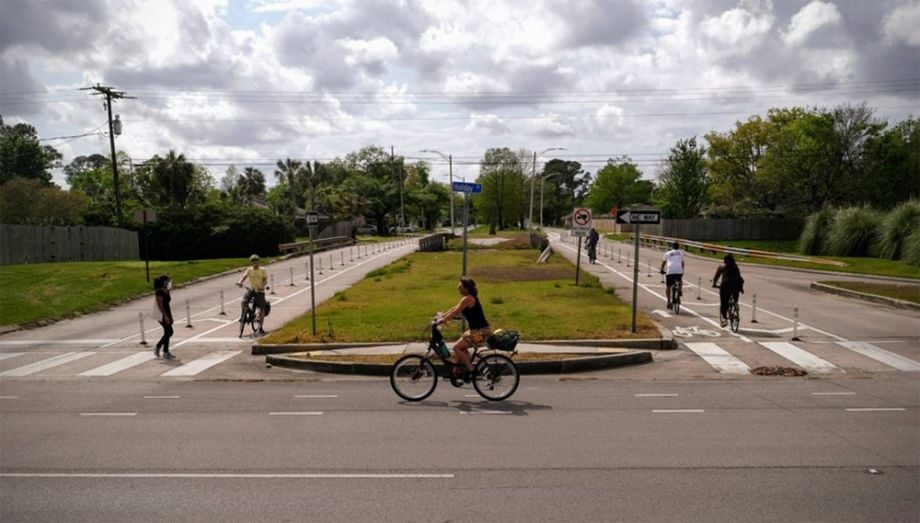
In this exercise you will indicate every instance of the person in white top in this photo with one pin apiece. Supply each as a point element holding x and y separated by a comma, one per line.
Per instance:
<point>672,265</point>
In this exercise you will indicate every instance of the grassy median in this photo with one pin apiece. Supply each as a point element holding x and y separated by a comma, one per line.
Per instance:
<point>897,291</point>
<point>395,303</point>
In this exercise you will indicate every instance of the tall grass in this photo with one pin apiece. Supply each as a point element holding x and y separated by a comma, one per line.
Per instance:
<point>911,248</point>
<point>814,236</point>
<point>895,229</point>
<point>853,232</point>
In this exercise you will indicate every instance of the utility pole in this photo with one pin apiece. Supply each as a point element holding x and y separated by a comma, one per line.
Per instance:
<point>402,205</point>
<point>114,128</point>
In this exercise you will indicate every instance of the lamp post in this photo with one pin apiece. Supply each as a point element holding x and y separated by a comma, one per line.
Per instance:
<point>533,179</point>
<point>450,163</point>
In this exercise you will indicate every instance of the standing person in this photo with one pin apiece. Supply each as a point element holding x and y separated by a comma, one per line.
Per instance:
<point>732,284</point>
<point>591,245</point>
<point>471,310</point>
<point>672,265</point>
<point>258,278</point>
<point>162,286</point>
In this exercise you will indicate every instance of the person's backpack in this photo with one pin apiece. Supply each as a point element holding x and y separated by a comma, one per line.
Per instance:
<point>268,307</point>
<point>503,340</point>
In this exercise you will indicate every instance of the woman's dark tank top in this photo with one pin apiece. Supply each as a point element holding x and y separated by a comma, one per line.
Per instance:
<point>474,315</point>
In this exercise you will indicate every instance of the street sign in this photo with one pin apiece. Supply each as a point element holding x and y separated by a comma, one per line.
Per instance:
<point>582,233</point>
<point>145,215</point>
<point>312,218</point>
<point>581,217</point>
<point>467,187</point>
<point>638,216</point>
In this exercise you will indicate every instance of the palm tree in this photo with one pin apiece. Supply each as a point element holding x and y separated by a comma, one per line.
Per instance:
<point>173,178</point>
<point>288,171</point>
<point>251,184</point>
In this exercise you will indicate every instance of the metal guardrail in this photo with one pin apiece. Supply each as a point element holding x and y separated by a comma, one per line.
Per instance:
<point>320,244</point>
<point>664,241</point>
<point>433,242</point>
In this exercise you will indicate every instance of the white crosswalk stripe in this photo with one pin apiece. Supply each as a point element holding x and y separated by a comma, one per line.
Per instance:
<point>719,358</point>
<point>10,355</point>
<point>888,358</point>
<point>802,358</point>
<point>120,365</point>
<point>46,364</point>
<point>201,364</point>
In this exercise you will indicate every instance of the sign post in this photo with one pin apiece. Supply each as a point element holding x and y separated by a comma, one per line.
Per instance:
<point>581,225</point>
<point>146,216</point>
<point>312,220</point>
<point>637,217</point>
<point>466,188</point>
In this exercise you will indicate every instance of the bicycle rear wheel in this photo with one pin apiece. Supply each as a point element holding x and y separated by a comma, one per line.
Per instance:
<point>734,316</point>
<point>496,377</point>
<point>675,301</point>
<point>413,378</point>
<point>244,320</point>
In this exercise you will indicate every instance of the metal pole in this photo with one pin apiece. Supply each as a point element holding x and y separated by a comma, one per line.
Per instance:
<point>312,280</point>
<point>272,278</point>
<point>699,288</point>
<point>341,258</point>
<point>140,317</point>
<point>320,265</point>
<point>292,276</point>
<point>306,271</point>
<point>222,311</point>
<point>188,315</point>
<point>754,309</point>
<point>466,212</point>
<point>795,323</point>
<point>578,262</point>
<point>351,254</point>
<point>331,263</point>
<point>635,280</point>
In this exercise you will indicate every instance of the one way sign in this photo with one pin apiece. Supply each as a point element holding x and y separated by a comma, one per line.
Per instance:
<point>637,216</point>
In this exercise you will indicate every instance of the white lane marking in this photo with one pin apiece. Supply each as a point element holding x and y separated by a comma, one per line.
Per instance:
<point>10,355</point>
<point>877,409</point>
<point>661,313</point>
<point>120,365</point>
<point>315,396</point>
<point>46,364</point>
<point>224,476</point>
<point>19,343</point>
<point>833,393</point>
<point>800,357</point>
<point>661,395</point>
<point>108,413</point>
<point>485,412</point>
<point>201,364</point>
<point>306,413</point>
<point>9,397</point>
<point>677,411</point>
<point>888,358</point>
<point>162,397</point>
<point>719,358</point>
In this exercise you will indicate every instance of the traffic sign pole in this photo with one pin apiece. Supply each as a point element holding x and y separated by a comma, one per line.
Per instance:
<point>578,261</point>
<point>635,279</point>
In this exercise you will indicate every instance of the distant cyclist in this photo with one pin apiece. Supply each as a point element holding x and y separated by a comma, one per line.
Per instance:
<point>672,265</point>
<point>591,245</point>
<point>732,284</point>
<point>258,279</point>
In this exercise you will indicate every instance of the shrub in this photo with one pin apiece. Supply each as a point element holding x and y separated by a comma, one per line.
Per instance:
<point>896,227</point>
<point>814,236</point>
<point>853,231</point>
<point>910,249</point>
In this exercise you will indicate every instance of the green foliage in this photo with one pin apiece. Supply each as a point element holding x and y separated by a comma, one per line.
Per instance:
<point>683,185</point>
<point>23,156</point>
<point>853,231</point>
<point>173,182</point>
<point>501,203</point>
<point>911,248</point>
<point>618,184</point>
<point>28,201</point>
<point>896,227</point>
<point>814,236</point>
<point>564,184</point>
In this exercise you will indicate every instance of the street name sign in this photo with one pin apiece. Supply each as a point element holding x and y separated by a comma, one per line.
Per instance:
<point>639,216</point>
<point>312,218</point>
<point>466,187</point>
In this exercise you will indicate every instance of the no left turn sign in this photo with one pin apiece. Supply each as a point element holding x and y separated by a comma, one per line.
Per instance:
<point>582,217</point>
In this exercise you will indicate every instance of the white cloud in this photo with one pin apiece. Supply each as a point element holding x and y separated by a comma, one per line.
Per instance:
<point>738,30</point>
<point>809,20</point>
<point>489,123</point>
<point>903,25</point>
<point>372,53</point>
<point>270,6</point>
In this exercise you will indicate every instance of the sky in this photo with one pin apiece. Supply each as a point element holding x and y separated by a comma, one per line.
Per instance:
<point>249,82</point>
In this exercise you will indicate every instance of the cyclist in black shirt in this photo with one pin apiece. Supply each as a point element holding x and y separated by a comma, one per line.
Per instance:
<point>471,309</point>
<point>732,284</point>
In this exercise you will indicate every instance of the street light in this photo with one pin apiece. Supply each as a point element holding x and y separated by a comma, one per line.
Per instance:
<point>450,163</point>
<point>533,179</point>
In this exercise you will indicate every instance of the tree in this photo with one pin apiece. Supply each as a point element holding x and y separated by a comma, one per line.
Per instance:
<point>502,201</point>
<point>172,181</point>
<point>568,184</point>
<point>251,184</point>
<point>22,155</point>
<point>618,184</point>
<point>892,164</point>
<point>288,171</point>
<point>683,184</point>
<point>29,201</point>
<point>228,183</point>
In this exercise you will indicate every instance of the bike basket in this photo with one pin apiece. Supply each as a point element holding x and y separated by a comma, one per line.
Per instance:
<point>503,340</point>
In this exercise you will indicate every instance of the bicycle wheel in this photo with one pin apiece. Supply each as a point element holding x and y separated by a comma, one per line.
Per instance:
<point>244,320</point>
<point>734,316</point>
<point>256,323</point>
<point>675,302</point>
<point>413,378</point>
<point>496,377</point>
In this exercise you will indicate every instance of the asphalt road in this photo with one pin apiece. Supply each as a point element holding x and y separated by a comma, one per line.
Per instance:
<point>563,449</point>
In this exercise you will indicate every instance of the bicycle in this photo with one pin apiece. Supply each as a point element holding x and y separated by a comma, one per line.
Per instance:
<point>249,316</point>
<point>676,293</point>
<point>495,376</point>
<point>733,312</point>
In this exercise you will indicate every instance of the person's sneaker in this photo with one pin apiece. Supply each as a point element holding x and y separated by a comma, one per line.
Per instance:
<point>261,332</point>
<point>669,305</point>
<point>723,322</point>
<point>168,355</point>
<point>156,351</point>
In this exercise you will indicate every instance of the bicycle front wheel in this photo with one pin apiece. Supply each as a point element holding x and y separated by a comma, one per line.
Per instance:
<point>734,316</point>
<point>496,377</point>
<point>244,320</point>
<point>413,378</point>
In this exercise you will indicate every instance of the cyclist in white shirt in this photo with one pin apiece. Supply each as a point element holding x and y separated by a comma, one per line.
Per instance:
<point>672,265</point>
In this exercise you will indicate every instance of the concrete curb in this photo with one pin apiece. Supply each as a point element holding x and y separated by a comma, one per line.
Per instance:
<point>901,304</point>
<point>642,343</point>
<point>562,366</point>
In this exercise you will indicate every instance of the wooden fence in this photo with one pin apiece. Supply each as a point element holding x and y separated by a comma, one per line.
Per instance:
<point>46,244</point>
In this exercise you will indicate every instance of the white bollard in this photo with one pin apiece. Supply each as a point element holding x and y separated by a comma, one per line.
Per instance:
<point>619,255</point>
<point>292,277</point>
<point>351,254</point>
<point>754,309</point>
<point>222,311</point>
<point>795,323</point>
<point>188,315</point>
<point>272,285</point>
<point>140,318</point>
<point>306,271</point>
<point>341,258</point>
<point>699,288</point>
<point>331,263</point>
<point>627,259</point>
<point>320,265</point>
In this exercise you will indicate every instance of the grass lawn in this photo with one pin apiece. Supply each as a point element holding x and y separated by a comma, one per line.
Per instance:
<point>906,292</point>
<point>395,303</point>
<point>45,291</point>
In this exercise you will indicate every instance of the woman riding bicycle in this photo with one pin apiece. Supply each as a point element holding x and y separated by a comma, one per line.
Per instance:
<point>732,284</point>
<point>471,309</point>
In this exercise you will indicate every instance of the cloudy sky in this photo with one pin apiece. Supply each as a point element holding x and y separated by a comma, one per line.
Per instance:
<point>250,81</point>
